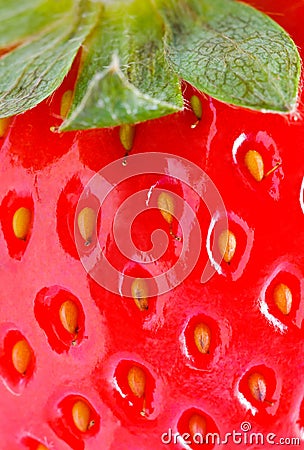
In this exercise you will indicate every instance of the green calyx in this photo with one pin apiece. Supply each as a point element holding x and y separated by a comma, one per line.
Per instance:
<point>134,54</point>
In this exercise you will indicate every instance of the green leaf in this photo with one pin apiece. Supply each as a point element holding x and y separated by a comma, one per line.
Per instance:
<point>23,19</point>
<point>125,77</point>
<point>135,52</point>
<point>232,52</point>
<point>32,71</point>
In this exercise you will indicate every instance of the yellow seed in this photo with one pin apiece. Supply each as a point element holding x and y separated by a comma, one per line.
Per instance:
<point>283,298</point>
<point>21,356</point>
<point>255,164</point>
<point>137,381</point>
<point>22,222</point>
<point>4,124</point>
<point>257,386</point>
<point>81,413</point>
<point>197,425</point>
<point>68,314</point>
<point>41,447</point>
<point>66,102</point>
<point>202,337</point>
<point>227,245</point>
<point>166,206</point>
<point>139,291</point>
<point>87,223</point>
<point>196,106</point>
<point>127,135</point>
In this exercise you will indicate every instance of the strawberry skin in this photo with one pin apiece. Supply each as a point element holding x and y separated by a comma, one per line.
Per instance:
<point>135,375</point>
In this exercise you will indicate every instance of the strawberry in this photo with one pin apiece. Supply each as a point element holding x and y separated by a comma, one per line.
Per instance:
<point>135,354</point>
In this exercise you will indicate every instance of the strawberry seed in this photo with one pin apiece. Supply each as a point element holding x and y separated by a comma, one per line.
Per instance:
<point>81,414</point>
<point>197,425</point>
<point>66,101</point>
<point>283,298</point>
<point>166,206</point>
<point>4,124</point>
<point>126,136</point>
<point>41,447</point>
<point>139,291</point>
<point>197,109</point>
<point>227,245</point>
<point>68,314</point>
<point>137,381</point>
<point>255,164</point>
<point>202,337</point>
<point>86,224</point>
<point>257,386</point>
<point>22,222</point>
<point>21,356</point>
